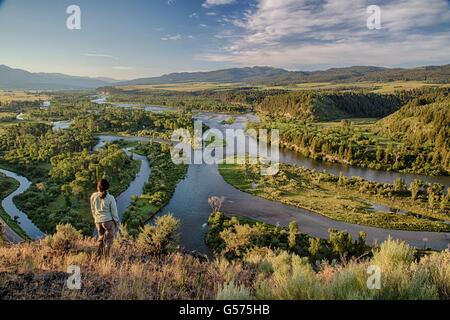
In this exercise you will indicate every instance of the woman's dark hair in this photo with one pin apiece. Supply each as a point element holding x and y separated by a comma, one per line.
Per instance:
<point>103,187</point>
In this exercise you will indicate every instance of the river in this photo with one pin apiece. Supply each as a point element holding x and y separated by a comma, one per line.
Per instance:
<point>190,200</point>
<point>8,205</point>
<point>214,120</point>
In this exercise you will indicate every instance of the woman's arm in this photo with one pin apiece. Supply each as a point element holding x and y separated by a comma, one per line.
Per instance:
<point>114,212</point>
<point>92,205</point>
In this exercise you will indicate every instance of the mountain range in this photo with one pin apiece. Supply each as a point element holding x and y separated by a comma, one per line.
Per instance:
<point>20,79</point>
<point>272,76</point>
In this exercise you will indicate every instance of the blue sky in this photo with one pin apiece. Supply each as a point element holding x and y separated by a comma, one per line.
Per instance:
<point>139,38</point>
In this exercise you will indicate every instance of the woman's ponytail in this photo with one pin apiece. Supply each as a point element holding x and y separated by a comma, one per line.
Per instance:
<point>103,187</point>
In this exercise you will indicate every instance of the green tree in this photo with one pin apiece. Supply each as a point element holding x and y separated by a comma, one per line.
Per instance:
<point>414,187</point>
<point>293,234</point>
<point>399,185</point>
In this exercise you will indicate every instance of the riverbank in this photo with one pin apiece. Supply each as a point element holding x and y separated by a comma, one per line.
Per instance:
<point>302,188</point>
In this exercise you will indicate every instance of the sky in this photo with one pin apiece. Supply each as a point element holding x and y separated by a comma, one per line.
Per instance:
<point>127,39</point>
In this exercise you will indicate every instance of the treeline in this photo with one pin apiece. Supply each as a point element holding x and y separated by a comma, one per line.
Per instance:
<point>352,144</point>
<point>328,105</point>
<point>27,143</point>
<point>138,121</point>
<point>235,237</point>
<point>232,100</point>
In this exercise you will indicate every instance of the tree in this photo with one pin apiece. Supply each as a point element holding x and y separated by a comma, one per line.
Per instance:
<point>414,187</point>
<point>293,234</point>
<point>342,180</point>
<point>349,155</point>
<point>399,185</point>
<point>431,197</point>
<point>216,203</point>
<point>379,153</point>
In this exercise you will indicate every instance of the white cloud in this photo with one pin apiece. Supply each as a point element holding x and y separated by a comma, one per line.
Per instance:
<point>193,15</point>
<point>293,33</point>
<point>99,55</point>
<point>172,38</point>
<point>123,68</point>
<point>212,3</point>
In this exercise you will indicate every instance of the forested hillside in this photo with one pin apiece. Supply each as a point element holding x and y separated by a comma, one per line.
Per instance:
<point>323,106</point>
<point>424,121</point>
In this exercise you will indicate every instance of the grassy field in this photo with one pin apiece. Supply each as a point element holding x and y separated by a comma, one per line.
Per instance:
<point>183,87</point>
<point>297,188</point>
<point>8,96</point>
<point>375,87</point>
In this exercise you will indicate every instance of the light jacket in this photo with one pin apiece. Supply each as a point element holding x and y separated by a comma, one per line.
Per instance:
<point>104,210</point>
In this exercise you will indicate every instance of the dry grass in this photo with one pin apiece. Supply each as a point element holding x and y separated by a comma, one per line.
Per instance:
<point>35,271</point>
<point>8,96</point>
<point>375,87</point>
<point>183,87</point>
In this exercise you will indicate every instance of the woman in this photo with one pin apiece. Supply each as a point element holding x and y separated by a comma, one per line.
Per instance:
<point>104,211</point>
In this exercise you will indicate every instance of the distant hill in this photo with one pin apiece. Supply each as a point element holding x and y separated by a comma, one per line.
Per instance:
<point>20,79</point>
<point>247,75</point>
<point>268,75</point>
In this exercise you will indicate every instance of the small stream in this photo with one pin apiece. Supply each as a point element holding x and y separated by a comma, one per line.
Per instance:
<point>136,187</point>
<point>8,205</point>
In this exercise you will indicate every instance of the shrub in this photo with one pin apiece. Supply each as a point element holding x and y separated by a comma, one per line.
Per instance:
<point>393,254</point>
<point>292,278</point>
<point>437,267</point>
<point>64,239</point>
<point>123,237</point>
<point>230,291</point>
<point>238,239</point>
<point>2,236</point>
<point>160,237</point>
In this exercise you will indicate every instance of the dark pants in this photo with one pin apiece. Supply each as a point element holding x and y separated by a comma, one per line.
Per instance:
<point>105,237</point>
